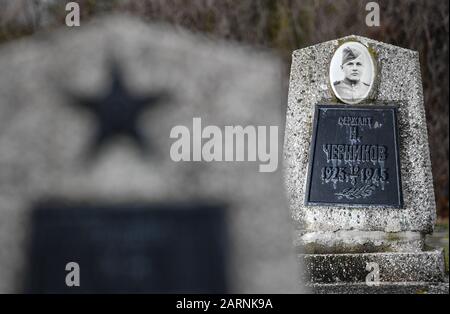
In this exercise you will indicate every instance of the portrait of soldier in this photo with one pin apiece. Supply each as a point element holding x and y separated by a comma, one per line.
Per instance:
<point>352,88</point>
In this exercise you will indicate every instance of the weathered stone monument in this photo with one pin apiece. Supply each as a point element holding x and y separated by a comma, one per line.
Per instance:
<point>87,176</point>
<point>358,170</point>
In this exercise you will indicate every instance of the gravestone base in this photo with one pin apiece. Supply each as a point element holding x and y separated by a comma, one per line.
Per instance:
<point>400,272</point>
<point>356,241</point>
<point>383,288</point>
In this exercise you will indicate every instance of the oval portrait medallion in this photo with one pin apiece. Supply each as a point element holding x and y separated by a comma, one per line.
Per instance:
<point>352,72</point>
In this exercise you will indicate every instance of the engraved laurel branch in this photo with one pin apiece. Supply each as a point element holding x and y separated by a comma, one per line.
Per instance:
<point>363,191</point>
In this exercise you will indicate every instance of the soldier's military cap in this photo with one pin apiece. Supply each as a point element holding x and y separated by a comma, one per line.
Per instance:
<point>350,54</point>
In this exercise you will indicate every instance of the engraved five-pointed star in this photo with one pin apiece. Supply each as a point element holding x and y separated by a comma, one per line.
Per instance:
<point>118,111</point>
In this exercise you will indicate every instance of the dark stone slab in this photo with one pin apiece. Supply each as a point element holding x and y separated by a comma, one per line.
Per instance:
<point>145,248</point>
<point>354,157</point>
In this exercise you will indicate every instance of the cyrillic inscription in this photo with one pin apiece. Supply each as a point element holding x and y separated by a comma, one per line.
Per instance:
<point>354,157</point>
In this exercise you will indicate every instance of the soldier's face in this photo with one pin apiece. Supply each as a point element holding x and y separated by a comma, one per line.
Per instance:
<point>353,69</point>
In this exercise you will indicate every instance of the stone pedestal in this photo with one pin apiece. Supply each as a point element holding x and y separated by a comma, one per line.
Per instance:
<point>407,272</point>
<point>340,242</point>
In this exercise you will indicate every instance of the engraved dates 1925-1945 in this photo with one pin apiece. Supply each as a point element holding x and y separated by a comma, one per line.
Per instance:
<point>354,158</point>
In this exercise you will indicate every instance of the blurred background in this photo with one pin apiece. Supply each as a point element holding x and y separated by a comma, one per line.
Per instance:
<point>286,25</point>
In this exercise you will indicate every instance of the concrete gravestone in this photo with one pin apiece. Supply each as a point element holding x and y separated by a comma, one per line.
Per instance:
<point>87,176</point>
<point>358,170</point>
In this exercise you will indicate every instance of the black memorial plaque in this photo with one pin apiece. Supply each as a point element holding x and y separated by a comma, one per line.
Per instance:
<point>354,157</point>
<point>165,248</point>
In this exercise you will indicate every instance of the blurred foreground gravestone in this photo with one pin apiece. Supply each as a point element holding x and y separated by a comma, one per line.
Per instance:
<point>86,174</point>
<point>358,169</point>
